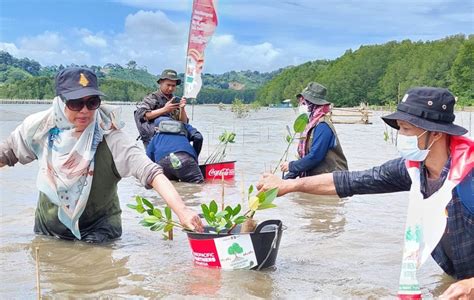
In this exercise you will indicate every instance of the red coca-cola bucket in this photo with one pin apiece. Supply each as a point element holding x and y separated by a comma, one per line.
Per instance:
<point>255,250</point>
<point>216,170</point>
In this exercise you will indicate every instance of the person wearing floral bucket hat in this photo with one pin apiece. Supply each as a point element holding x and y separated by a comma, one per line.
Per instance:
<point>437,167</point>
<point>162,102</point>
<point>82,155</point>
<point>319,149</point>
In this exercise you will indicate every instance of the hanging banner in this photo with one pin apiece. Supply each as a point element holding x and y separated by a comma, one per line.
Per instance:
<point>203,24</point>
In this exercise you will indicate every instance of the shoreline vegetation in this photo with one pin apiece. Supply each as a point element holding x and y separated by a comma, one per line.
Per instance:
<point>377,74</point>
<point>369,108</point>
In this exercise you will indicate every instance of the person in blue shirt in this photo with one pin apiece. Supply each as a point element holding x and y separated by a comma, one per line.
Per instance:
<point>436,165</point>
<point>319,149</point>
<point>171,148</point>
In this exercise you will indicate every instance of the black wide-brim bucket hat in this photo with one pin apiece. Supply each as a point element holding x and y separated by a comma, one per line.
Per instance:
<point>428,108</point>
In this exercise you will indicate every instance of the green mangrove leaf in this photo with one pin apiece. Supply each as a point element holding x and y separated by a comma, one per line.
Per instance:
<point>168,227</point>
<point>151,219</point>
<point>266,205</point>
<point>140,208</point>
<point>156,227</point>
<point>132,206</point>
<point>213,206</point>
<point>145,223</point>
<point>253,203</point>
<point>237,209</point>
<point>288,139</point>
<point>250,189</point>
<point>139,200</point>
<point>221,214</point>
<point>168,213</point>
<point>157,213</point>
<point>147,203</point>
<point>240,219</point>
<point>300,123</point>
<point>205,209</point>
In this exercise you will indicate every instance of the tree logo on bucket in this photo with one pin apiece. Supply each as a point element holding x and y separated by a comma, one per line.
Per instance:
<point>235,249</point>
<point>236,252</point>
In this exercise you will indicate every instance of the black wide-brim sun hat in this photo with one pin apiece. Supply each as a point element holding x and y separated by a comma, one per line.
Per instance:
<point>428,108</point>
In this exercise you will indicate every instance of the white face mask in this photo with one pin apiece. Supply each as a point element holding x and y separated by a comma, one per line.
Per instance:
<point>407,146</point>
<point>303,109</point>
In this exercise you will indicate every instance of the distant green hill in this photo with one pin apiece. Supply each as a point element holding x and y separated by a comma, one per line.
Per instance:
<point>18,78</point>
<point>374,74</point>
<point>380,74</point>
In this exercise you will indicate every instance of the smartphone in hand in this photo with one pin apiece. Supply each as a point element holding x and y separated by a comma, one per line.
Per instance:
<point>175,100</point>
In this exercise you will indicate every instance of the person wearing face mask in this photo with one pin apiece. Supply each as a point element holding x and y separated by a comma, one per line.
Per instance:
<point>319,149</point>
<point>436,166</point>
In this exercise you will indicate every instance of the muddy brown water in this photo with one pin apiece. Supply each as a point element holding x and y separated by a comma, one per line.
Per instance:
<point>332,248</point>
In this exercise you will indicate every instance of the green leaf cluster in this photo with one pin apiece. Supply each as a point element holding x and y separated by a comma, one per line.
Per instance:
<point>155,219</point>
<point>224,219</point>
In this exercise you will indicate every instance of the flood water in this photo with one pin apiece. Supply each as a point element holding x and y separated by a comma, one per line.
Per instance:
<point>332,248</point>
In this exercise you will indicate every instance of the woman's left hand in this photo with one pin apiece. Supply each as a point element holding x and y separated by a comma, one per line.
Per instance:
<point>190,219</point>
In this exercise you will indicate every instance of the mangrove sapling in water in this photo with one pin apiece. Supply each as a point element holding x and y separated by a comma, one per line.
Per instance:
<point>155,219</point>
<point>223,220</point>
<point>219,153</point>
<point>298,126</point>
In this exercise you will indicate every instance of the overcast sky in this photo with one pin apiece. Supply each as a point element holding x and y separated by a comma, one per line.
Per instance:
<point>261,35</point>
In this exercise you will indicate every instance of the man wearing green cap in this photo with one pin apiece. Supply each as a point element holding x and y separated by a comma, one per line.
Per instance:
<point>319,149</point>
<point>160,103</point>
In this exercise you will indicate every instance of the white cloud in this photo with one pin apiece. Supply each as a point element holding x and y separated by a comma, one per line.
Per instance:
<point>225,53</point>
<point>94,41</point>
<point>259,35</point>
<point>47,41</point>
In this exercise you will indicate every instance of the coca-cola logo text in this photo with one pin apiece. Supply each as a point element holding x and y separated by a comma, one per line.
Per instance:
<point>218,173</point>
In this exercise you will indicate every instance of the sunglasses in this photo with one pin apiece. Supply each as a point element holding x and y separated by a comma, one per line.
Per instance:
<point>78,104</point>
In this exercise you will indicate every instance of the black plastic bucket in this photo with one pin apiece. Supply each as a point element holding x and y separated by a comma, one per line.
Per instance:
<point>257,249</point>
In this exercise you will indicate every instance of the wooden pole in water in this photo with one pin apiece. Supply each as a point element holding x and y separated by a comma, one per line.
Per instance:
<point>38,287</point>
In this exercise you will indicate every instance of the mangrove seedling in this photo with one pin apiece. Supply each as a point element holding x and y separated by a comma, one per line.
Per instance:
<point>155,219</point>
<point>219,153</point>
<point>224,219</point>
<point>298,127</point>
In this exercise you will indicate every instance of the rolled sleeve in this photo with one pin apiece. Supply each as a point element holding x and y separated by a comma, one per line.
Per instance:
<point>148,104</point>
<point>131,160</point>
<point>390,177</point>
<point>15,149</point>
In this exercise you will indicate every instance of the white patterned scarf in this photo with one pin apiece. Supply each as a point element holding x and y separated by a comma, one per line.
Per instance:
<point>66,157</point>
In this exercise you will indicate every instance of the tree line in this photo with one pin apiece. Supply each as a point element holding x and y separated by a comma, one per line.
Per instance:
<point>373,74</point>
<point>381,74</point>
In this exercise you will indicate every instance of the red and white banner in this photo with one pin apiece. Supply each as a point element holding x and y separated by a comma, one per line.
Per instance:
<point>203,24</point>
